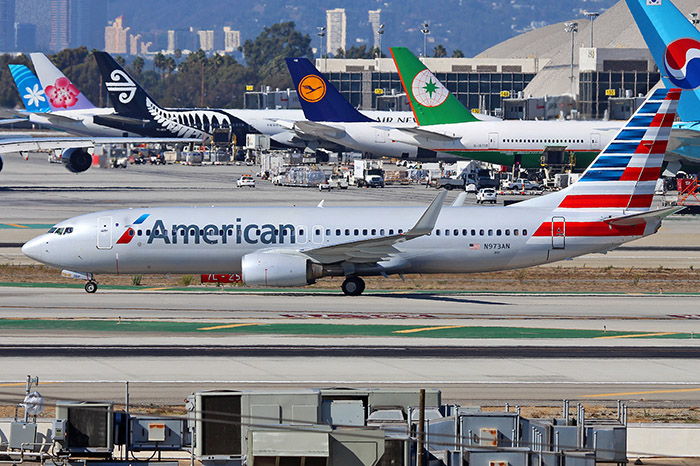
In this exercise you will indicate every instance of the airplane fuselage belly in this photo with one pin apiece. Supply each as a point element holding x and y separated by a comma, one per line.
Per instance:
<point>213,240</point>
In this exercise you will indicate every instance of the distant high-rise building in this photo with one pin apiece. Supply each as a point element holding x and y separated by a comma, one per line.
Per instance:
<point>375,20</point>
<point>59,14</point>
<point>134,44</point>
<point>87,21</point>
<point>182,39</point>
<point>336,33</point>
<point>206,40</point>
<point>35,12</point>
<point>116,36</point>
<point>25,37</point>
<point>7,25</point>
<point>232,39</point>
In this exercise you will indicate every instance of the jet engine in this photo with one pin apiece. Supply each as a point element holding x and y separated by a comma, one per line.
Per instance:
<point>274,269</point>
<point>0,164</point>
<point>76,159</point>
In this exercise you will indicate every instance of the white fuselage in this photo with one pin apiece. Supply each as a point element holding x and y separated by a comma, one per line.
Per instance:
<point>80,122</point>
<point>465,239</point>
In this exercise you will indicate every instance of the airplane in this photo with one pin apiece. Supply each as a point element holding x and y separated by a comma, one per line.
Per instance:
<point>445,125</point>
<point>133,103</point>
<point>293,246</point>
<point>330,116</point>
<point>674,42</point>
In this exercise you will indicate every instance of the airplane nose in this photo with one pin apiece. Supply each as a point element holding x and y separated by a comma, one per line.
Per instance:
<point>33,248</point>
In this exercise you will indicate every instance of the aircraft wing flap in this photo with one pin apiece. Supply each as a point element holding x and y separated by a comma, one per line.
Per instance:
<point>58,119</point>
<point>424,133</point>
<point>377,249</point>
<point>644,217</point>
<point>319,129</point>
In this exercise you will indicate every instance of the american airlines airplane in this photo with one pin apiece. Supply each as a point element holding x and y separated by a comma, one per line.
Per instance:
<point>294,246</point>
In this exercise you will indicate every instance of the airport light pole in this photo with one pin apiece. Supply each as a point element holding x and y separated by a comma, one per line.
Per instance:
<point>571,28</point>
<point>380,32</point>
<point>321,34</point>
<point>425,30</point>
<point>591,16</point>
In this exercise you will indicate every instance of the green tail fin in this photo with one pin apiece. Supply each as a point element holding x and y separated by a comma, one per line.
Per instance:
<point>432,103</point>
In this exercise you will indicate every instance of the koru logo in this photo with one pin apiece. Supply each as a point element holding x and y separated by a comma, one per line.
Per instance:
<point>312,88</point>
<point>427,90</point>
<point>123,84</point>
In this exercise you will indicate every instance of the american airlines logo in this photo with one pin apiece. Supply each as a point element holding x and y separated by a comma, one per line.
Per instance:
<point>123,84</point>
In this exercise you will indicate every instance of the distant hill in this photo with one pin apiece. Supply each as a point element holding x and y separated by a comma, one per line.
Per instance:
<point>468,25</point>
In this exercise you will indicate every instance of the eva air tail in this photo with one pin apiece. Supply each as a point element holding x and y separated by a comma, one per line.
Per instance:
<point>30,89</point>
<point>60,91</point>
<point>675,45</point>
<point>431,102</point>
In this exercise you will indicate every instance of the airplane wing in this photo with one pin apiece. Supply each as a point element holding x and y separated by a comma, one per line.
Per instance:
<point>35,144</point>
<point>686,137</point>
<point>377,249</point>
<point>288,124</point>
<point>9,121</point>
<point>644,217</point>
<point>319,130</point>
<point>429,135</point>
<point>120,119</point>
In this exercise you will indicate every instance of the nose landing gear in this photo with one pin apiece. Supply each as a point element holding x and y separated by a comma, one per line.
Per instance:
<point>353,286</point>
<point>91,286</point>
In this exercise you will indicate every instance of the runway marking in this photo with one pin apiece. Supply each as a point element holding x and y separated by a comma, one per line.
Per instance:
<point>650,392</point>
<point>638,335</point>
<point>426,329</point>
<point>16,225</point>
<point>21,384</point>
<point>229,326</point>
<point>156,289</point>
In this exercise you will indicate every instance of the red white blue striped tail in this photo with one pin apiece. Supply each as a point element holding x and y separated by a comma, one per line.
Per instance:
<point>624,174</point>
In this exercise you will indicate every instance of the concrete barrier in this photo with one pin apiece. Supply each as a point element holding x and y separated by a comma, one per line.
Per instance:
<point>650,439</point>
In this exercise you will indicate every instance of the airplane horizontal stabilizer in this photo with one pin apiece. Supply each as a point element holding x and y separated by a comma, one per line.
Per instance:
<point>320,130</point>
<point>11,121</point>
<point>644,217</point>
<point>429,135</point>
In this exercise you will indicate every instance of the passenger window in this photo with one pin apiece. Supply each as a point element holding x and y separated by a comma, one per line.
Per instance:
<point>464,232</point>
<point>381,232</point>
<point>138,232</point>
<point>347,232</point>
<point>447,232</point>
<point>524,232</point>
<point>328,232</point>
<point>318,232</point>
<point>516,232</point>
<point>337,232</point>
<point>148,232</point>
<point>301,232</point>
<point>437,232</point>
<point>498,232</point>
<point>400,231</point>
<point>490,232</point>
<point>455,232</point>
<point>507,232</point>
<point>391,231</point>
<point>481,232</point>
<point>364,232</point>
<point>473,232</point>
<point>357,232</point>
<point>374,231</point>
<point>230,232</point>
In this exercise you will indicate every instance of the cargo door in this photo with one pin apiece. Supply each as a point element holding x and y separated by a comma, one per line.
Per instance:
<point>104,233</point>
<point>493,140</point>
<point>558,233</point>
<point>380,136</point>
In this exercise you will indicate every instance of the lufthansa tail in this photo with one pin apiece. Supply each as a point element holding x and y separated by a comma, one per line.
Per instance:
<point>675,45</point>
<point>319,99</point>
<point>127,96</point>
<point>30,89</point>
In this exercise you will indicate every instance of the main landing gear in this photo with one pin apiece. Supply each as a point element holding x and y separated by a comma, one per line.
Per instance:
<point>91,286</point>
<point>353,286</point>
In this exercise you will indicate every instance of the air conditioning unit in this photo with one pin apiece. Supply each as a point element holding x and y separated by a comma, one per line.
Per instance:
<point>89,427</point>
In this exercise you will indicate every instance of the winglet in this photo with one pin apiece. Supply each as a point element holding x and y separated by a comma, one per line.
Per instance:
<point>426,223</point>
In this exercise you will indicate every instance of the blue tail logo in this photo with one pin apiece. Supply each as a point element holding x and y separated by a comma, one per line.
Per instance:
<point>682,63</point>
<point>312,88</point>
<point>30,89</point>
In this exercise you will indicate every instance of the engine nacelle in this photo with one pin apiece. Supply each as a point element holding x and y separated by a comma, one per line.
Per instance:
<point>274,269</point>
<point>0,164</point>
<point>76,159</point>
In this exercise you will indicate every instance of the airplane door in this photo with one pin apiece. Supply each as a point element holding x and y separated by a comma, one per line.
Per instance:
<point>380,136</point>
<point>595,141</point>
<point>558,233</point>
<point>104,233</point>
<point>493,140</point>
<point>317,234</point>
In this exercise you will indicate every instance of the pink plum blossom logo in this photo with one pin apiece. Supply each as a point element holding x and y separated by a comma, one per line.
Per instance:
<point>63,93</point>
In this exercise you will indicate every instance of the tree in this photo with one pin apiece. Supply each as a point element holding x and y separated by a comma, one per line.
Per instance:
<point>439,51</point>
<point>137,66</point>
<point>159,64</point>
<point>457,54</point>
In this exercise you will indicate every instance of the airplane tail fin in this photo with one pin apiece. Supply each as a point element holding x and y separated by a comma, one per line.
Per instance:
<point>674,42</point>
<point>30,89</point>
<point>624,174</point>
<point>319,99</point>
<point>60,91</point>
<point>127,96</point>
<point>431,102</point>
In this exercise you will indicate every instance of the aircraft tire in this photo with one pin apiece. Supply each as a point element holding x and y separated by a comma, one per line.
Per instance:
<point>353,286</point>
<point>91,287</point>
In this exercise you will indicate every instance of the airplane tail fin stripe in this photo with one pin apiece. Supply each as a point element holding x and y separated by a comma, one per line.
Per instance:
<point>30,89</point>
<point>319,99</point>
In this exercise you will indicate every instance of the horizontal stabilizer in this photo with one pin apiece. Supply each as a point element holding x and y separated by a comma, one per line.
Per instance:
<point>429,135</point>
<point>11,121</point>
<point>644,217</point>
<point>319,130</point>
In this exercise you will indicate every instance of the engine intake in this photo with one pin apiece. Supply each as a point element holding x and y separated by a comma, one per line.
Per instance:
<point>0,164</point>
<point>76,159</point>
<point>273,269</point>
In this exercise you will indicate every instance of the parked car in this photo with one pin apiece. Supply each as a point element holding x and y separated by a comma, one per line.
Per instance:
<point>486,195</point>
<point>338,181</point>
<point>245,180</point>
<point>325,186</point>
<point>522,185</point>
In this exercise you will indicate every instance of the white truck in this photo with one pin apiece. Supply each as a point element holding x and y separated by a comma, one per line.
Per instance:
<point>368,173</point>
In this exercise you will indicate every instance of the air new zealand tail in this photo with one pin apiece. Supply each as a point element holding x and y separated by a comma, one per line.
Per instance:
<point>134,106</point>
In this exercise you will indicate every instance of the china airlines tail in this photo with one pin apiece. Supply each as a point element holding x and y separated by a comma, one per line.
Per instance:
<point>674,42</point>
<point>60,91</point>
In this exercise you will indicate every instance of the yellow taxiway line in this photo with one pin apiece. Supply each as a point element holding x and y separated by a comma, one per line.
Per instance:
<point>16,225</point>
<point>228,326</point>
<point>426,329</point>
<point>640,335</point>
<point>651,392</point>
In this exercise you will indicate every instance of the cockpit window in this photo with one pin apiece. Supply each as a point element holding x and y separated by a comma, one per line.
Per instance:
<point>59,231</point>
<point>68,231</point>
<point>52,229</point>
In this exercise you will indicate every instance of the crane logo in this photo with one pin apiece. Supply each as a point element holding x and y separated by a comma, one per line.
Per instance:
<point>427,90</point>
<point>682,63</point>
<point>312,88</point>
